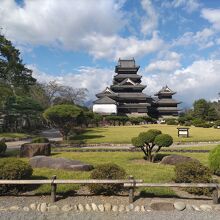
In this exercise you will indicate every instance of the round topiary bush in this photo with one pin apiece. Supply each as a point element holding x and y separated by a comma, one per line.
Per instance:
<point>193,172</point>
<point>14,169</point>
<point>164,140</point>
<point>3,147</point>
<point>214,160</point>
<point>107,171</point>
<point>40,140</point>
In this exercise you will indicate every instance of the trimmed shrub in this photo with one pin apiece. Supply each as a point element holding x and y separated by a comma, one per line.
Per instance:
<point>14,169</point>
<point>193,172</point>
<point>149,136</point>
<point>187,123</point>
<point>214,160</point>
<point>171,121</point>
<point>107,171</point>
<point>40,140</point>
<point>136,120</point>
<point>164,140</point>
<point>217,124</point>
<point>198,122</point>
<point>3,147</point>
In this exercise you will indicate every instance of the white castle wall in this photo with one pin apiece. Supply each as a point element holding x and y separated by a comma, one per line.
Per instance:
<point>105,108</point>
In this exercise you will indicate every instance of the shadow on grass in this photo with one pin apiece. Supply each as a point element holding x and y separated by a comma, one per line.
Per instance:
<point>86,137</point>
<point>160,156</point>
<point>144,194</point>
<point>12,153</point>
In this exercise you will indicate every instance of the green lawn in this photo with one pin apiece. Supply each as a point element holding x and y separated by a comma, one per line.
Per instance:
<point>123,134</point>
<point>132,162</point>
<point>14,135</point>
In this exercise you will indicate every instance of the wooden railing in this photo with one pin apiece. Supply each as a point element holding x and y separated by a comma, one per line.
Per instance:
<point>130,183</point>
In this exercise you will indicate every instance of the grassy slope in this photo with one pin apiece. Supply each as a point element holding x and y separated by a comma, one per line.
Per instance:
<point>123,134</point>
<point>131,162</point>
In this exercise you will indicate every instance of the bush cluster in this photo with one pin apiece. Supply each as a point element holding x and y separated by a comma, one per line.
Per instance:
<point>14,169</point>
<point>201,123</point>
<point>107,171</point>
<point>3,147</point>
<point>40,140</point>
<point>193,172</point>
<point>171,121</point>
<point>217,124</point>
<point>214,160</point>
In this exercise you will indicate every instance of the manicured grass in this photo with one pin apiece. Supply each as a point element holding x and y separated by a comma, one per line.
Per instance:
<point>194,148</point>
<point>132,162</point>
<point>123,134</point>
<point>209,147</point>
<point>14,135</point>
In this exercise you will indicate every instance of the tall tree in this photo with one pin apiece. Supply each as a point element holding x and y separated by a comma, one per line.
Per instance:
<point>63,117</point>
<point>12,70</point>
<point>201,108</point>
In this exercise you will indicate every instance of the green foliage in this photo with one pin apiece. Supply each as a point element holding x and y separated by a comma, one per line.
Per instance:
<point>193,172</point>
<point>113,119</point>
<point>107,171</point>
<point>201,107</point>
<point>198,122</point>
<point>3,147</point>
<point>147,141</point>
<point>201,123</point>
<point>22,113</point>
<point>14,169</point>
<point>163,140</point>
<point>136,120</point>
<point>97,119</point>
<point>137,142</point>
<point>63,117</point>
<point>148,119</point>
<point>149,136</point>
<point>214,160</point>
<point>205,110</point>
<point>12,70</point>
<point>217,124</point>
<point>171,121</point>
<point>40,140</point>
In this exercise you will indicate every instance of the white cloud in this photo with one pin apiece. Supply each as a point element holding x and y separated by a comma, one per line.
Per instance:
<point>213,16</point>
<point>115,46</point>
<point>198,80</point>
<point>203,38</point>
<point>170,62</point>
<point>63,22</point>
<point>93,79</point>
<point>75,25</point>
<point>187,5</point>
<point>150,20</point>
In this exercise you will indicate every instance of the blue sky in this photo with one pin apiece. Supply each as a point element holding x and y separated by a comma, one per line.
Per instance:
<point>78,42</point>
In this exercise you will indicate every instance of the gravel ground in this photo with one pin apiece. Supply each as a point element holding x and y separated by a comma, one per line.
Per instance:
<point>155,215</point>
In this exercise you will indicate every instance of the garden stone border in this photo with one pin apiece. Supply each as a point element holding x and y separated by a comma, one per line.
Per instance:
<point>107,207</point>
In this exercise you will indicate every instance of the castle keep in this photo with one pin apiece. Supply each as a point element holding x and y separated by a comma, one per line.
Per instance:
<point>125,96</point>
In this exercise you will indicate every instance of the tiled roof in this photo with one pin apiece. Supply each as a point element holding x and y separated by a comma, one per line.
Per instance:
<point>105,100</point>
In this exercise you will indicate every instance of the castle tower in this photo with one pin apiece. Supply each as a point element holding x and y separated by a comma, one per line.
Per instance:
<point>165,105</point>
<point>125,92</point>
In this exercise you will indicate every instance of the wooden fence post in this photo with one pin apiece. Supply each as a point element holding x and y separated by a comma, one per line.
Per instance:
<point>215,195</point>
<point>131,190</point>
<point>53,189</point>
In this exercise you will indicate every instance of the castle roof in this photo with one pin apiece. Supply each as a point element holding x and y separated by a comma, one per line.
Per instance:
<point>105,100</point>
<point>165,91</point>
<point>126,65</point>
